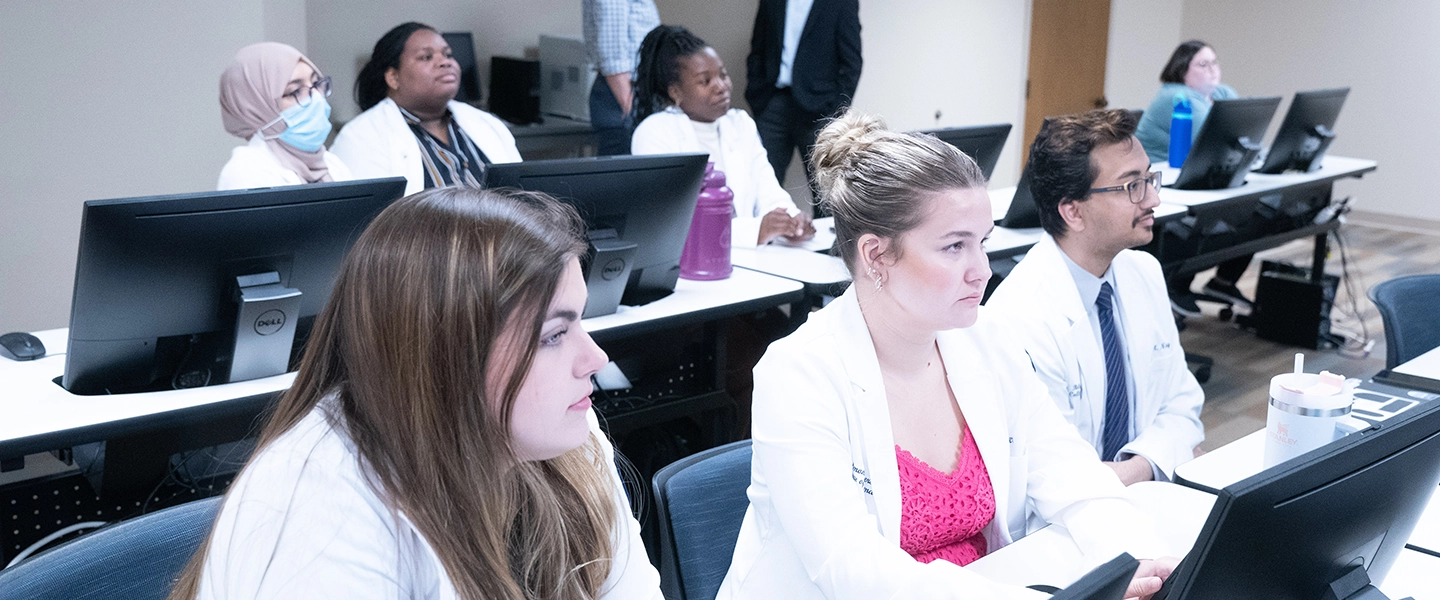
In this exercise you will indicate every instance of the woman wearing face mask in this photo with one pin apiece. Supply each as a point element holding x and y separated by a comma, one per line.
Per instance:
<point>682,94</point>
<point>412,126</point>
<point>274,97</point>
<point>899,434</point>
<point>438,442</point>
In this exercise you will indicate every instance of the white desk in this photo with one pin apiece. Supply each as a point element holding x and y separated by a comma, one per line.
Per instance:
<point>1426,365</point>
<point>37,414</point>
<point>1332,168</point>
<point>1050,557</point>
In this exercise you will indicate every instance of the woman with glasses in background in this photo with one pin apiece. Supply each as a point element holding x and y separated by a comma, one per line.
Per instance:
<point>275,98</point>
<point>412,126</point>
<point>1193,73</point>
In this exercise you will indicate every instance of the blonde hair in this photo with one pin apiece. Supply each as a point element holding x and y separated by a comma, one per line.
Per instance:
<point>415,319</point>
<point>879,181</point>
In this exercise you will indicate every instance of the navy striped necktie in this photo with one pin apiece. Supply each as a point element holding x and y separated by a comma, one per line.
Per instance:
<point>1117,398</point>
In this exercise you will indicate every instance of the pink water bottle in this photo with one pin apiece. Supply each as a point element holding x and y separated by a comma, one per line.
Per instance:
<point>707,248</point>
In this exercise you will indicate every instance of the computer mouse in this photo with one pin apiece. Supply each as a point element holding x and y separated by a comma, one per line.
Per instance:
<point>21,346</point>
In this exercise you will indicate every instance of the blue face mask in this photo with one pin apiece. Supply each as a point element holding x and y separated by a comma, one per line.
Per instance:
<point>306,125</point>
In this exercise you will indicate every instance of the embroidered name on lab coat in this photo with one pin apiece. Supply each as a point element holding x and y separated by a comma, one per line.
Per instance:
<point>1162,346</point>
<point>860,477</point>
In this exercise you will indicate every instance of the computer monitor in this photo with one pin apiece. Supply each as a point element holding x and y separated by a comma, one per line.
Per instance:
<point>1334,518</point>
<point>462,48</point>
<point>188,290</point>
<point>637,209</point>
<point>1023,212</point>
<point>981,142</point>
<point>1306,132</point>
<point>1227,144</point>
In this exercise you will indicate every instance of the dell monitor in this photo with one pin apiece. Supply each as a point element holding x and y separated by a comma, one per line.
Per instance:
<point>194,289</point>
<point>1023,212</point>
<point>980,142</point>
<point>1227,144</point>
<point>637,211</point>
<point>1330,521</point>
<point>1306,132</point>
<point>1105,582</point>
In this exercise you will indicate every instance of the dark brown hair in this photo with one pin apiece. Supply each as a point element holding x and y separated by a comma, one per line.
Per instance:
<point>370,86</point>
<point>1174,71</point>
<point>879,181</point>
<point>405,347</point>
<point>1060,162</point>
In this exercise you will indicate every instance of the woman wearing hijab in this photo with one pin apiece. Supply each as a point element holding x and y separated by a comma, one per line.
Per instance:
<point>412,126</point>
<point>274,97</point>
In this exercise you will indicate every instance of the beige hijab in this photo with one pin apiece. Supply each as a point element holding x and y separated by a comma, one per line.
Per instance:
<point>250,90</point>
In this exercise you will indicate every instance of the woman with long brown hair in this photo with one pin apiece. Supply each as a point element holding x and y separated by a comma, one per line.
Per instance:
<point>438,441</point>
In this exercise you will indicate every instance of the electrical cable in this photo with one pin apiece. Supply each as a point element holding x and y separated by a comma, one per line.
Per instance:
<point>55,535</point>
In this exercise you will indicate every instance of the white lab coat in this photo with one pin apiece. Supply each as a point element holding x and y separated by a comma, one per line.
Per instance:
<point>378,143</point>
<point>254,166</point>
<point>302,521</point>
<point>741,156</point>
<point>1050,320</point>
<point>824,515</point>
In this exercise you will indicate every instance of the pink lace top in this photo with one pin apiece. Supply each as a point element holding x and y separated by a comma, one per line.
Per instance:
<point>942,515</point>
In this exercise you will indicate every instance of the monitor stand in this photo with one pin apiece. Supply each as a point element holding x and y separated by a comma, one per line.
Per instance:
<point>1354,585</point>
<point>264,327</point>
<point>607,271</point>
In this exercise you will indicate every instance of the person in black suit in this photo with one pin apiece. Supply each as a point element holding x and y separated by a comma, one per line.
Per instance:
<point>803,67</point>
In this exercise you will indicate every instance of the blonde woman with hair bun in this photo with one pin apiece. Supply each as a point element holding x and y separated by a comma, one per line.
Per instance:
<point>899,434</point>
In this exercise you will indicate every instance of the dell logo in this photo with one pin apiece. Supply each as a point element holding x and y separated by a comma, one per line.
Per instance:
<point>269,322</point>
<point>613,269</point>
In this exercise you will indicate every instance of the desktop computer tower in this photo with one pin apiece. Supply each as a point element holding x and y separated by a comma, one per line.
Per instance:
<point>515,89</point>
<point>1291,308</point>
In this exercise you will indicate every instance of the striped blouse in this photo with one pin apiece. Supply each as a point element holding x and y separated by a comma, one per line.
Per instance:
<point>460,162</point>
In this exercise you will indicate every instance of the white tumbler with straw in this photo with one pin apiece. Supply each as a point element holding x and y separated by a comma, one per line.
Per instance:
<point>1306,411</point>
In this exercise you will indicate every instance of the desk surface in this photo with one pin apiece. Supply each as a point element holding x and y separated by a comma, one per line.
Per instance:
<point>1333,167</point>
<point>39,415</point>
<point>1426,365</point>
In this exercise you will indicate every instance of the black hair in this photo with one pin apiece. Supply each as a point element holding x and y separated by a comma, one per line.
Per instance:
<point>659,66</point>
<point>1060,163</point>
<point>370,86</point>
<point>1180,61</point>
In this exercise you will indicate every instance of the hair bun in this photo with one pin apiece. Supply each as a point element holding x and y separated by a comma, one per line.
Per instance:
<point>843,142</point>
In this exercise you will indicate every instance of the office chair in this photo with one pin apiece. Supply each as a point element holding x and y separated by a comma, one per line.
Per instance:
<point>138,559</point>
<point>1407,309</point>
<point>700,503</point>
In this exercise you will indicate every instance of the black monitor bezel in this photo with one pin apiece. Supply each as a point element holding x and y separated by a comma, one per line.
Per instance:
<point>1215,161</point>
<point>991,140</point>
<point>1308,110</point>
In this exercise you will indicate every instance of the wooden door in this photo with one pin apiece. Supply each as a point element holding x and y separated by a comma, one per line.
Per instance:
<point>1068,39</point>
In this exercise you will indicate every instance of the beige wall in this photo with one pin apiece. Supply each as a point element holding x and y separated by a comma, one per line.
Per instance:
<point>102,99</point>
<point>1143,33</point>
<point>1388,55</point>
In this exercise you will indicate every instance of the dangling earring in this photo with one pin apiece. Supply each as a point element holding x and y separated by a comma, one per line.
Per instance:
<point>879,283</point>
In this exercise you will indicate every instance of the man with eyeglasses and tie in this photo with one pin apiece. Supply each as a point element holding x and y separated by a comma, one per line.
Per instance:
<point>1093,314</point>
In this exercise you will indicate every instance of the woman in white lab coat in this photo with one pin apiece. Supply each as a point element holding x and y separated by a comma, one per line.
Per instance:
<point>274,97</point>
<point>412,126</point>
<point>904,380</point>
<point>438,441</point>
<point>682,100</point>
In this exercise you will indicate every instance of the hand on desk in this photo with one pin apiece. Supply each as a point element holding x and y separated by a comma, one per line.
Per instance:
<point>1150,576</point>
<point>779,223</point>
<point>1132,470</point>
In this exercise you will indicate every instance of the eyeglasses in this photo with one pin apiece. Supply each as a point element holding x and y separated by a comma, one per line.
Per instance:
<point>1207,64</point>
<point>1134,189</point>
<point>303,95</point>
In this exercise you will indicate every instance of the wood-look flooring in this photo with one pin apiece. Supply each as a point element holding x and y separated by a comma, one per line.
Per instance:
<point>1236,394</point>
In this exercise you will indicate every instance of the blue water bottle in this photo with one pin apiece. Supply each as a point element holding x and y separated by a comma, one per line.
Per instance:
<point>1180,131</point>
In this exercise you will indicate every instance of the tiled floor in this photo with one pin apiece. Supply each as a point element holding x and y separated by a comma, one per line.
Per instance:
<point>1238,388</point>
